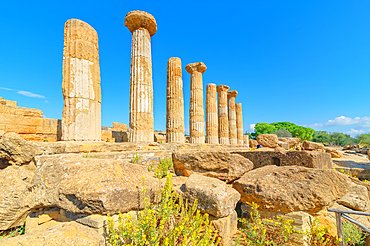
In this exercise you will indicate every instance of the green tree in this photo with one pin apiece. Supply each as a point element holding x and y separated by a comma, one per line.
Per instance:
<point>283,133</point>
<point>364,139</point>
<point>304,133</point>
<point>321,137</point>
<point>263,128</point>
<point>337,138</point>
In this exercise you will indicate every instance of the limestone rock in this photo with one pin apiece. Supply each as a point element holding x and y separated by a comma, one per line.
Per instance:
<point>58,234</point>
<point>253,143</point>
<point>214,196</point>
<point>215,164</point>
<point>88,185</point>
<point>226,227</point>
<point>13,189</point>
<point>268,140</point>
<point>357,198</point>
<point>292,188</point>
<point>365,220</point>
<point>333,152</point>
<point>283,145</point>
<point>308,145</point>
<point>291,141</point>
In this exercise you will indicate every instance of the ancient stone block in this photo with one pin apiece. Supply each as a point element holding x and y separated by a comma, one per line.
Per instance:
<point>211,115</point>
<point>142,25</point>
<point>119,127</point>
<point>175,102</point>
<point>308,145</point>
<point>223,119</point>
<point>81,119</point>
<point>196,110</point>
<point>268,140</point>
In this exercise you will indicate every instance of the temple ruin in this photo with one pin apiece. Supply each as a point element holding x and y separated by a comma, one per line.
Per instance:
<point>196,110</point>
<point>239,124</point>
<point>232,116</point>
<point>211,114</point>
<point>142,25</point>
<point>223,120</point>
<point>81,119</point>
<point>175,102</point>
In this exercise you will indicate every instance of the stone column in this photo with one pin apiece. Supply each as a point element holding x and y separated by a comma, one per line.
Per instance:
<point>211,115</point>
<point>81,120</point>
<point>239,123</point>
<point>175,102</point>
<point>196,111</point>
<point>142,25</point>
<point>232,117</point>
<point>223,120</point>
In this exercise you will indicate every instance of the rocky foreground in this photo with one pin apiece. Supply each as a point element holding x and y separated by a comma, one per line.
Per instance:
<point>63,191</point>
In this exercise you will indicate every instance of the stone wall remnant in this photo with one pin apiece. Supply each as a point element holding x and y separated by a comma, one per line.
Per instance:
<point>232,116</point>
<point>142,25</point>
<point>239,124</point>
<point>223,120</point>
<point>175,102</point>
<point>81,120</point>
<point>196,110</point>
<point>211,115</point>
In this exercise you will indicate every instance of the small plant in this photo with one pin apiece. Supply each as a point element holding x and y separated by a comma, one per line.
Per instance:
<point>136,158</point>
<point>85,156</point>
<point>259,231</point>
<point>13,232</point>
<point>319,235</point>
<point>366,181</point>
<point>353,234</point>
<point>150,167</point>
<point>163,168</point>
<point>172,222</point>
<point>46,140</point>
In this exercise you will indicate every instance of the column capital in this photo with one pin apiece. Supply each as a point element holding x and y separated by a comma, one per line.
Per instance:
<point>197,66</point>
<point>140,19</point>
<point>222,88</point>
<point>233,93</point>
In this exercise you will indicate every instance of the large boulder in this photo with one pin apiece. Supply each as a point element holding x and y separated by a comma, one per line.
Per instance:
<point>58,234</point>
<point>308,145</point>
<point>226,227</point>
<point>268,140</point>
<point>283,145</point>
<point>91,186</point>
<point>292,188</point>
<point>357,198</point>
<point>333,152</point>
<point>292,142</point>
<point>215,164</point>
<point>214,196</point>
<point>253,143</point>
<point>13,190</point>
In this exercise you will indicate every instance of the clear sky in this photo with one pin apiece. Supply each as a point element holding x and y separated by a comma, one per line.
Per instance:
<point>306,62</point>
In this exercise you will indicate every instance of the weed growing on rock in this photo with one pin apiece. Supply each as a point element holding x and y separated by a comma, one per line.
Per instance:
<point>13,232</point>
<point>136,158</point>
<point>171,222</point>
<point>163,168</point>
<point>353,234</point>
<point>319,235</point>
<point>259,231</point>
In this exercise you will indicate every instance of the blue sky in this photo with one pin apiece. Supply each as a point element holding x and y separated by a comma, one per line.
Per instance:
<point>306,62</point>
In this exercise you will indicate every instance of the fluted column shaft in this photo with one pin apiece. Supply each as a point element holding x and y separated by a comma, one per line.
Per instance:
<point>232,117</point>
<point>175,102</point>
<point>142,26</point>
<point>196,110</point>
<point>239,123</point>
<point>211,115</point>
<point>81,120</point>
<point>223,120</point>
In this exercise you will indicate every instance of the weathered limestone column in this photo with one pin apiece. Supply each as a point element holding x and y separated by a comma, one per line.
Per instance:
<point>81,120</point>
<point>232,117</point>
<point>223,120</point>
<point>142,25</point>
<point>175,102</point>
<point>196,110</point>
<point>211,115</point>
<point>239,123</point>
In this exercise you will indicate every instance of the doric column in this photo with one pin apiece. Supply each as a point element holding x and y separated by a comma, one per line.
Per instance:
<point>223,120</point>
<point>239,123</point>
<point>175,102</point>
<point>232,117</point>
<point>142,25</point>
<point>81,120</point>
<point>211,115</point>
<point>196,110</point>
